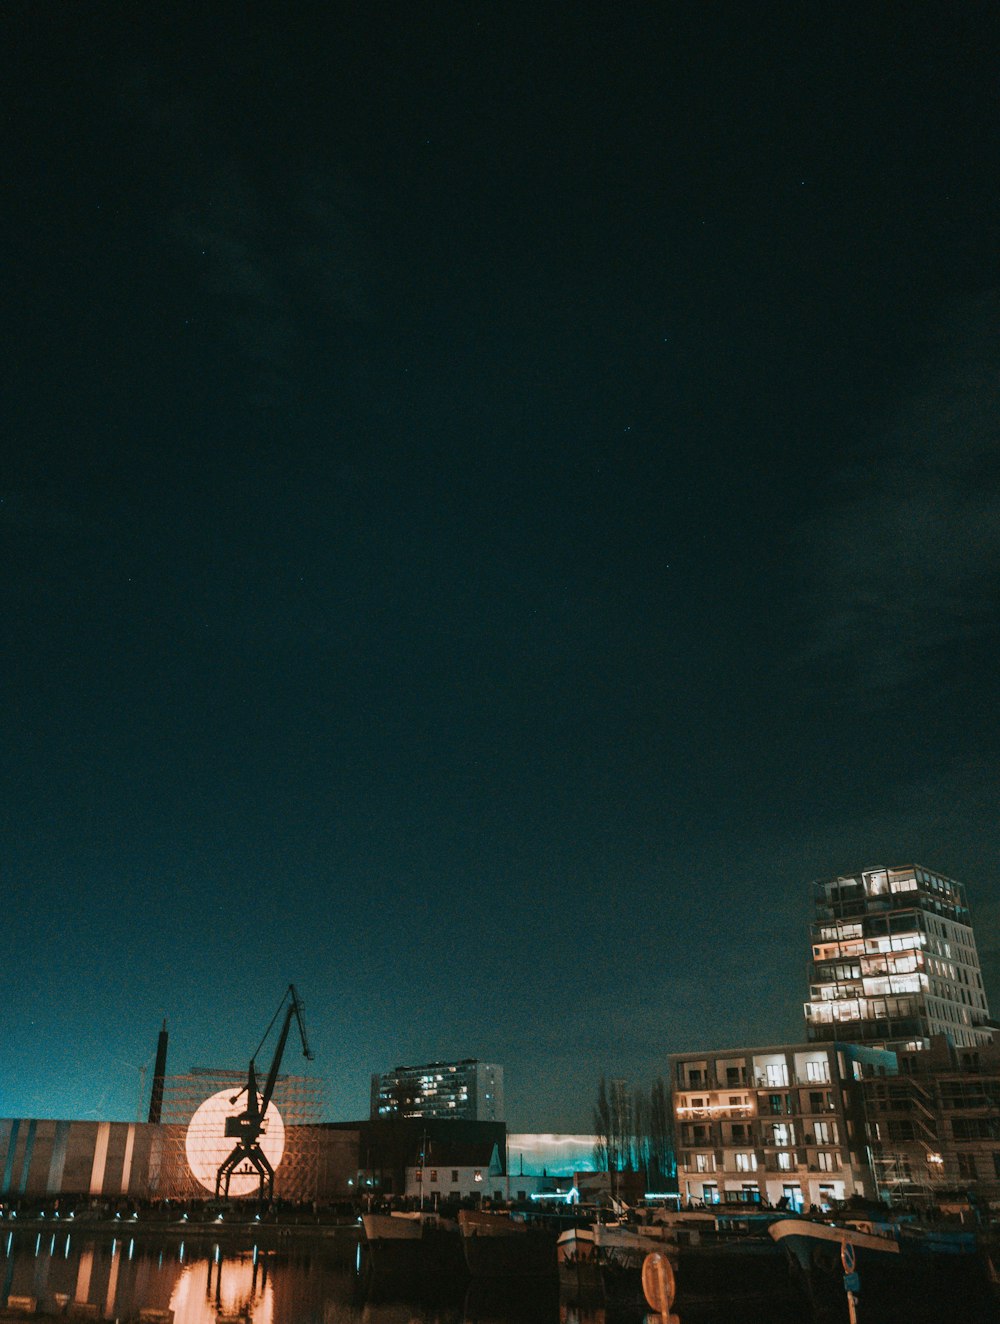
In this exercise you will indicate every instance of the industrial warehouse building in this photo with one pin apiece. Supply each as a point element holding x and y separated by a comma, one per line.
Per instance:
<point>326,1163</point>
<point>140,1161</point>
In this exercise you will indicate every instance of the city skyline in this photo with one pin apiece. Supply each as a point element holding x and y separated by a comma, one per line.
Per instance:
<point>496,502</point>
<point>380,1083</point>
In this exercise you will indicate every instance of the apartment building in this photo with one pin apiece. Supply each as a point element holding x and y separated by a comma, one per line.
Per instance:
<point>934,1129</point>
<point>779,1125</point>
<point>468,1090</point>
<point>894,961</point>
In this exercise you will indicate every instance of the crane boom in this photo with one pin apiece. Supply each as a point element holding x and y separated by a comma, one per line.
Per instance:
<point>246,1127</point>
<point>294,1009</point>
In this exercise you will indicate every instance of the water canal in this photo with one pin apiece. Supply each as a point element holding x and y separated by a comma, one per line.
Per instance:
<point>91,1275</point>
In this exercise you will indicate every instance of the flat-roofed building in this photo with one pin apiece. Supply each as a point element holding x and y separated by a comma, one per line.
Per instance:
<point>894,961</point>
<point>469,1090</point>
<point>782,1125</point>
<point>119,1162</point>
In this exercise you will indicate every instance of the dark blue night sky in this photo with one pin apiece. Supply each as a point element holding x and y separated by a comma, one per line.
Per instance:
<point>496,499</point>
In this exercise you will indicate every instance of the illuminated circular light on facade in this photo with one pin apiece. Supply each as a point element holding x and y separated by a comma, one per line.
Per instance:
<point>208,1146</point>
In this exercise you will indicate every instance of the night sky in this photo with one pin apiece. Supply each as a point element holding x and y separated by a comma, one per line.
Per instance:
<point>496,499</point>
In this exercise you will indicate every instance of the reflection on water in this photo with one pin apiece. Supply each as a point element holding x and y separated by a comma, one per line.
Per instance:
<point>303,1282</point>
<point>238,1286</point>
<point>200,1285</point>
<point>308,1282</point>
<point>203,1282</point>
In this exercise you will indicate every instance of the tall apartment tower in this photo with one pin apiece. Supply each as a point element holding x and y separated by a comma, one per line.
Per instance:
<point>894,961</point>
<point>470,1090</point>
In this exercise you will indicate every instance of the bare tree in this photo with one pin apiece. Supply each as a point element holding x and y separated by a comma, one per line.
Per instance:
<point>661,1131</point>
<point>640,1131</point>
<point>602,1129</point>
<point>620,1144</point>
<point>633,1130</point>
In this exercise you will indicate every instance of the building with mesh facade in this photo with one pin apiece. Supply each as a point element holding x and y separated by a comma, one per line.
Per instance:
<point>186,1163</point>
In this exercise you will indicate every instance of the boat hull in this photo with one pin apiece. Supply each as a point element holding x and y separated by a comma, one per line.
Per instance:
<point>497,1246</point>
<point>576,1258</point>
<point>425,1246</point>
<point>605,1261</point>
<point>933,1266</point>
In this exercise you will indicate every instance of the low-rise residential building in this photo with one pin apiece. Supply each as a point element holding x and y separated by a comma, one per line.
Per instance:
<point>536,1166</point>
<point>450,1176</point>
<point>782,1125</point>
<point>393,1148</point>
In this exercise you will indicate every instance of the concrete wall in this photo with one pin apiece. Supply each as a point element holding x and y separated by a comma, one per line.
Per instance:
<point>42,1157</point>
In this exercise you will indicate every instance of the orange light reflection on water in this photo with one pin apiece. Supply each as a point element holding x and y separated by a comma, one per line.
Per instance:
<point>230,1287</point>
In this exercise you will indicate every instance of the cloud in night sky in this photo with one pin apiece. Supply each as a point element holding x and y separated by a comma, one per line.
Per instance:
<point>905,565</point>
<point>273,287</point>
<point>281,249</point>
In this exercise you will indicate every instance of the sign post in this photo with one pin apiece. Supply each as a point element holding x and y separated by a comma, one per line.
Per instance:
<point>659,1287</point>
<point>852,1283</point>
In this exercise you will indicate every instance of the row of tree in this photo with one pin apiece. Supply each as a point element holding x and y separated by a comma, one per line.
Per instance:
<point>634,1130</point>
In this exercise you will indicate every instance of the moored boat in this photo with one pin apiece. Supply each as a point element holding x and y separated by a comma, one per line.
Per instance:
<point>712,1255</point>
<point>576,1259</point>
<point>896,1262</point>
<point>416,1244</point>
<point>735,1259</point>
<point>497,1244</point>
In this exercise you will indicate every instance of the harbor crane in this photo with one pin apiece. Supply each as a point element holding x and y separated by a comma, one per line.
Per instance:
<point>248,1126</point>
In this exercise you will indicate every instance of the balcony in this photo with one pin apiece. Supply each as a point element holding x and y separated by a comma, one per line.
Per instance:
<point>714,1112</point>
<point>771,1164</point>
<point>695,1138</point>
<point>761,1081</point>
